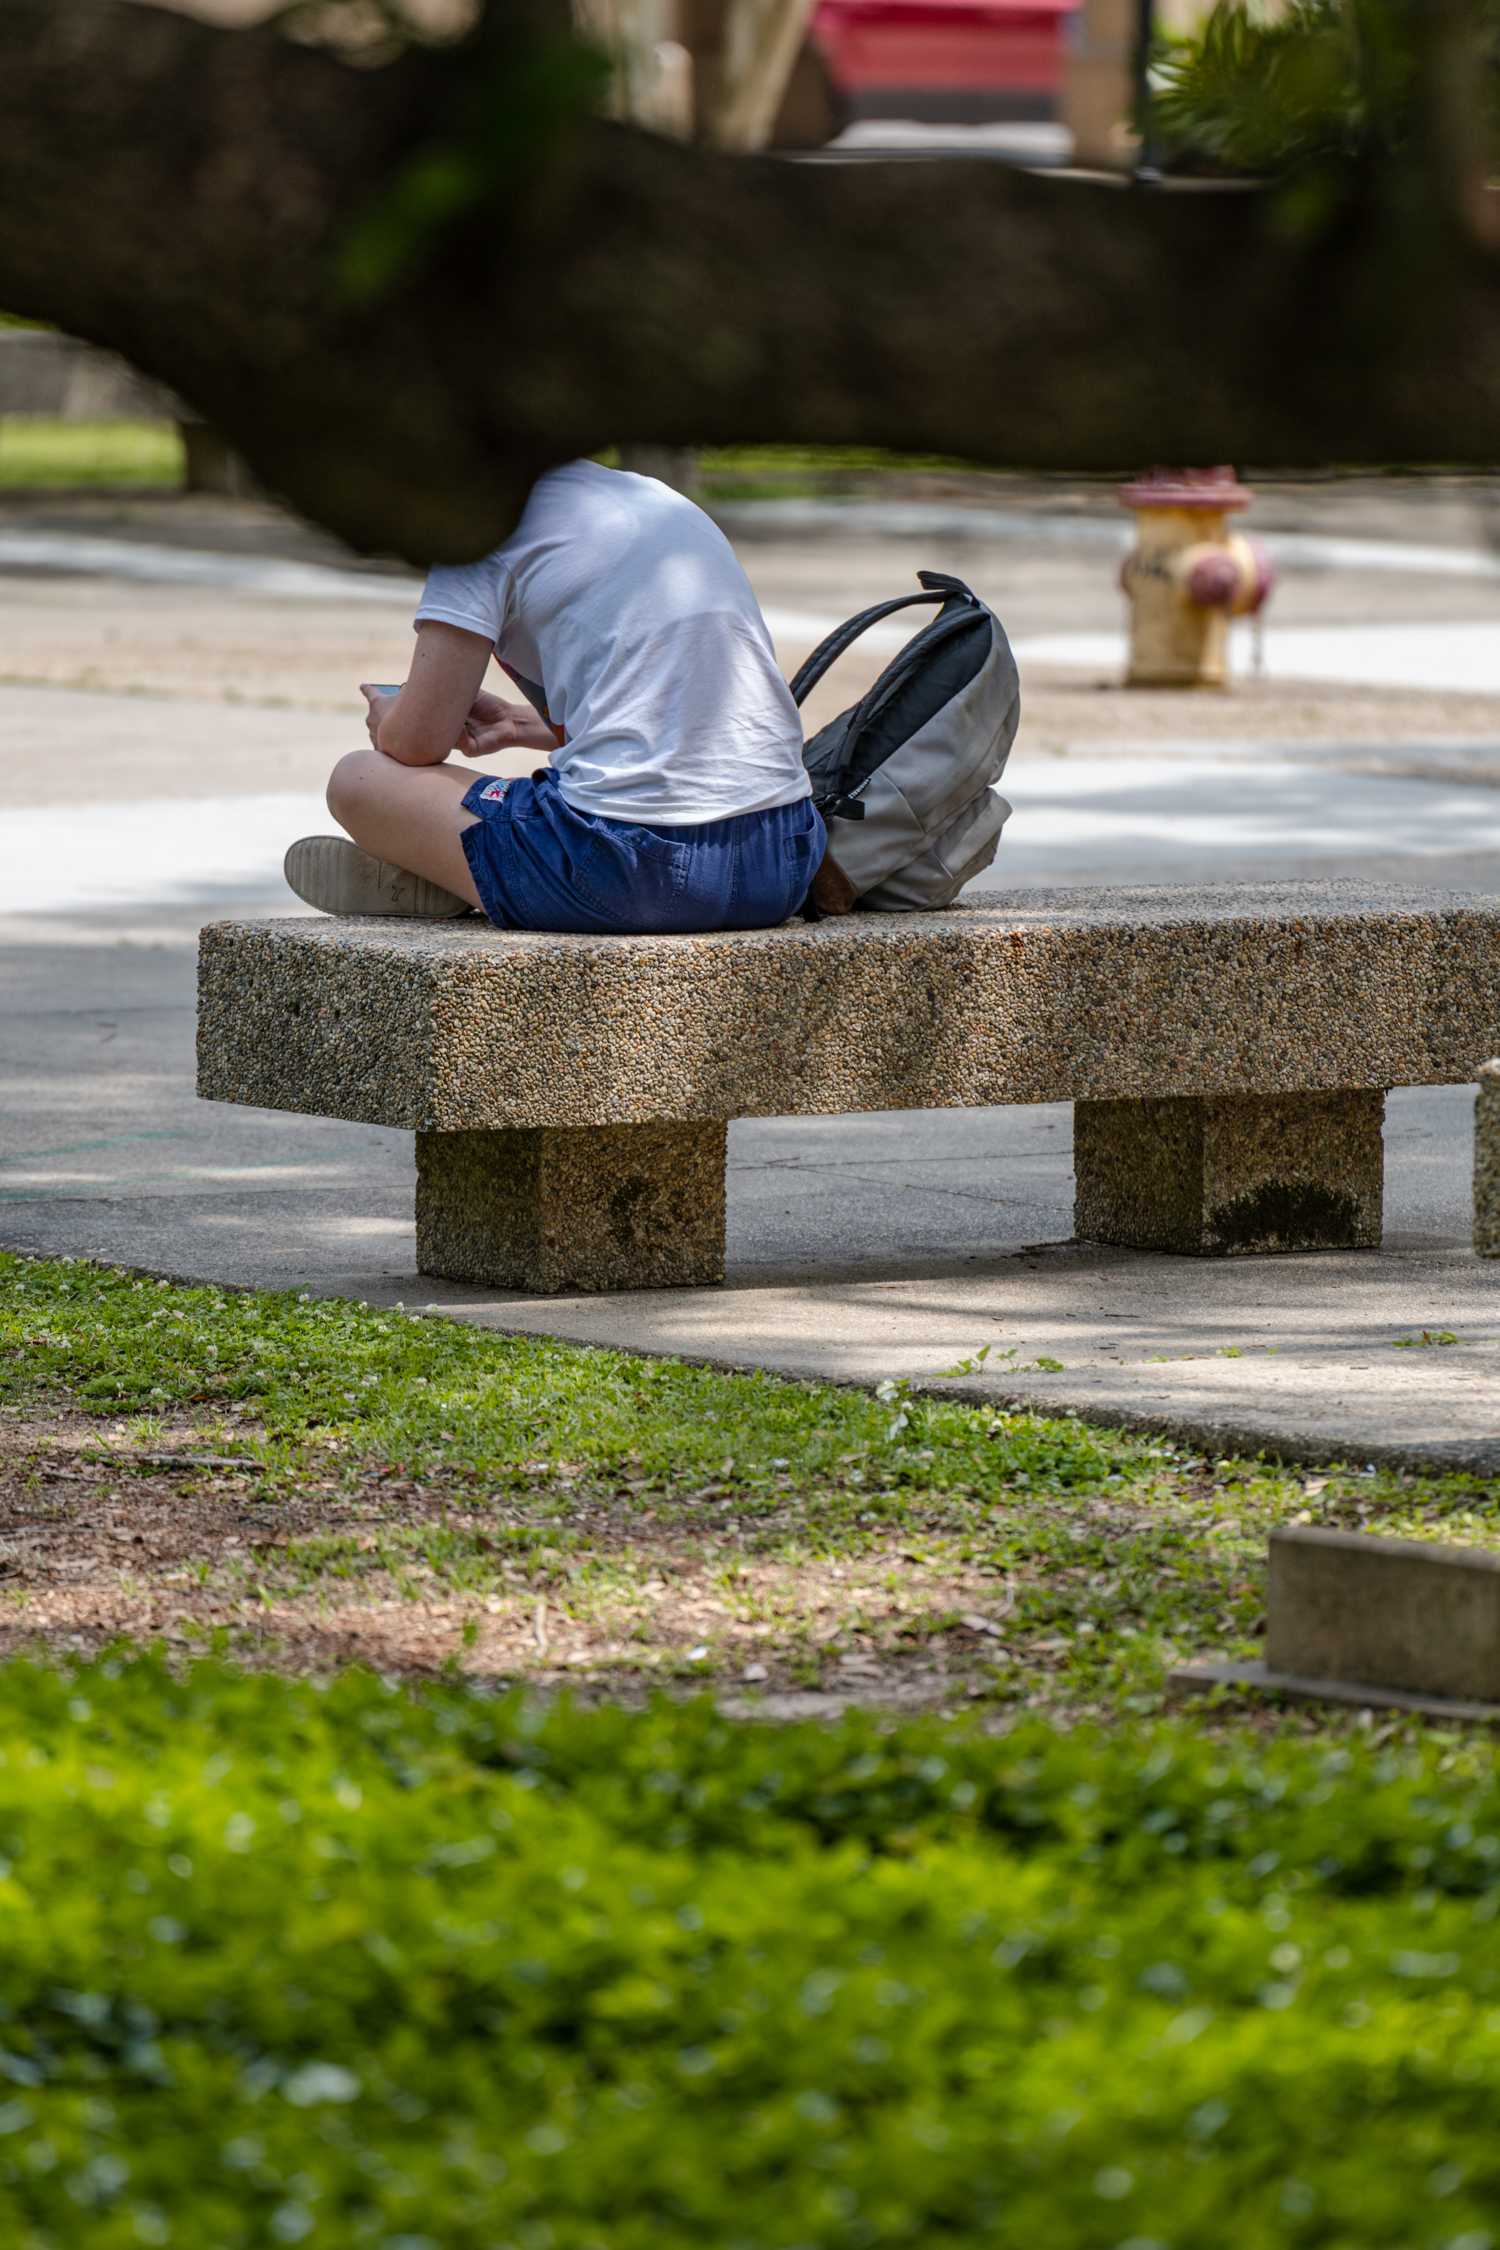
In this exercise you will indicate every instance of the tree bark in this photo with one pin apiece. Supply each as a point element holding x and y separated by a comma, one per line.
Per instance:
<point>183,193</point>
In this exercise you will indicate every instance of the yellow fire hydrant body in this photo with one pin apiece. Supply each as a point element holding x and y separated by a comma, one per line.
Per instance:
<point>1187,575</point>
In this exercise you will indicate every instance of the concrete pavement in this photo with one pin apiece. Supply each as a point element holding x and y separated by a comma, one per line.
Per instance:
<point>139,801</point>
<point>859,1249</point>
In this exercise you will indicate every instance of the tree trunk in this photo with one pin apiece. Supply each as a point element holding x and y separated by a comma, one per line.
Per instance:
<point>185,194</point>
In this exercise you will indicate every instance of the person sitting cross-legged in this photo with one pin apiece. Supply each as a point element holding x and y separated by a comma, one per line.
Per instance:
<point>673,795</point>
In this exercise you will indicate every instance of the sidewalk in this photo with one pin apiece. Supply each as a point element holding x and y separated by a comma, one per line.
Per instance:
<point>156,762</point>
<point>860,1248</point>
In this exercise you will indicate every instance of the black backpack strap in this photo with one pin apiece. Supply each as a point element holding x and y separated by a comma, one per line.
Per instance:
<point>938,588</point>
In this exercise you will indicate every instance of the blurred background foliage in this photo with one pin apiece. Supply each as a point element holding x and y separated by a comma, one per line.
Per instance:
<point>1317,84</point>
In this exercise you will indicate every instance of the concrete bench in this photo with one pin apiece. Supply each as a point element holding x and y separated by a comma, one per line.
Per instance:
<point>1227,1051</point>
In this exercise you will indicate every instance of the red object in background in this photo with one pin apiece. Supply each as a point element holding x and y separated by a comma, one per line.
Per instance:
<point>974,59</point>
<point>1218,490</point>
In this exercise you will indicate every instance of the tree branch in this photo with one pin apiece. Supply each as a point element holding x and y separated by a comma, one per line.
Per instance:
<point>183,194</point>
<point>1455,92</point>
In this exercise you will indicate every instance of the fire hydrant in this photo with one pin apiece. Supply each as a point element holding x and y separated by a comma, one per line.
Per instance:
<point>1187,575</point>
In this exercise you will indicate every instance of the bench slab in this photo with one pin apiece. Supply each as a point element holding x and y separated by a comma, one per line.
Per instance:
<point>1228,1051</point>
<point>1038,996</point>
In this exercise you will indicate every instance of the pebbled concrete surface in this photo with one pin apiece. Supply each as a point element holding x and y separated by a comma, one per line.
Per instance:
<point>1487,1162</point>
<point>611,1208</point>
<point>1011,997</point>
<point>1232,1177</point>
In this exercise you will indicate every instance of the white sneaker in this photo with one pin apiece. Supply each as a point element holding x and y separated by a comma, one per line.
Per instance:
<point>337,877</point>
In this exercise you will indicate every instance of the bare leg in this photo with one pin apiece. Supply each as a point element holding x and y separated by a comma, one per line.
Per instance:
<point>412,816</point>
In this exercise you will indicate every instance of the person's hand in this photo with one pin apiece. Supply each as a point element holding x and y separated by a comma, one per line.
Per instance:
<point>378,701</point>
<point>494,724</point>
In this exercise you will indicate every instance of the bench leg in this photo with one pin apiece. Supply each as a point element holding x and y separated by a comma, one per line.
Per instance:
<point>1231,1175</point>
<point>1487,1162</point>
<point>551,1209</point>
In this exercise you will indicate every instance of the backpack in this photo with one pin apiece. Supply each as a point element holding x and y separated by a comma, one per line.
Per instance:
<point>905,778</point>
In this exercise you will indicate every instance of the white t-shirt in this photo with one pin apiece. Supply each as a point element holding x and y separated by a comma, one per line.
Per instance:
<point>621,610</point>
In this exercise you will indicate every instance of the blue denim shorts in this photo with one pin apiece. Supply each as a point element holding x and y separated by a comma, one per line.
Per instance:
<point>538,864</point>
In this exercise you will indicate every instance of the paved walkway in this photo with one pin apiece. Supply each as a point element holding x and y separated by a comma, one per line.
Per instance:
<point>140,802</point>
<point>860,1248</point>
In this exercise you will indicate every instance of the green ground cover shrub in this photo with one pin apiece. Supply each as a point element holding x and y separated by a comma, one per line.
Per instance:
<point>350,1966</point>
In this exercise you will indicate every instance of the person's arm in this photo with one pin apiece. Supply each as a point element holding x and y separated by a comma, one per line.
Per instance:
<point>427,718</point>
<point>494,724</point>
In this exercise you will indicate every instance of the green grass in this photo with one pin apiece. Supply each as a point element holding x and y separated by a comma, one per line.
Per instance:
<point>37,454</point>
<point>354,1967</point>
<point>437,1393</point>
<point>667,1517</point>
<point>751,472</point>
<point>41,454</point>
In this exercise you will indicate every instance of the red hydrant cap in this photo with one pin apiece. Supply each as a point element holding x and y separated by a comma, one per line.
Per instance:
<point>1186,488</point>
<point>1214,580</point>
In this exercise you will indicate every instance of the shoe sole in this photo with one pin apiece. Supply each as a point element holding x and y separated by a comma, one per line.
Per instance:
<point>337,877</point>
